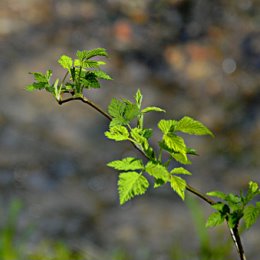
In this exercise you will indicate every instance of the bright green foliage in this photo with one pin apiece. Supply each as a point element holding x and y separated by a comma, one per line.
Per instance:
<point>127,164</point>
<point>123,112</point>
<point>251,213</point>
<point>178,185</point>
<point>128,124</point>
<point>190,126</point>
<point>41,81</point>
<point>117,133</point>
<point>234,207</point>
<point>131,184</point>
<point>158,171</point>
<point>180,170</point>
<point>83,72</point>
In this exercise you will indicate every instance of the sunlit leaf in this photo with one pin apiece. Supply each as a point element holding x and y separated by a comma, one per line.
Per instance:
<point>190,126</point>
<point>131,184</point>
<point>127,164</point>
<point>178,185</point>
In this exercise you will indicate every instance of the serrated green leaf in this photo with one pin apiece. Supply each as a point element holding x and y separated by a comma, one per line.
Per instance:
<point>158,171</point>
<point>217,194</point>
<point>176,143</point>
<point>215,219</point>
<point>81,55</point>
<point>180,170</point>
<point>150,109</point>
<point>131,184</point>
<point>127,164</point>
<point>167,126</point>
<point>232,198</point>
<point>182,158</point>
<point>124,111</point>
<point>131,112</point>
<point>116,108</point>
<point>140,137</point>
<point>179,157</point>
<point>190,126</point>
<point>89,80</point>
<point>117,133</point>
<point>39,77</point>
<point>251,214</point>
<point>95,52</point>
<point>178,185</point>
<point>102,75</point>
<point>65,61</point>
<point>87,64</point>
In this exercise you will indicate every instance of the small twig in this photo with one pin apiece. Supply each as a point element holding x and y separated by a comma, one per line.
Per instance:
<point>87,101</point>
<point>237,241</point>
<point>199,194</point>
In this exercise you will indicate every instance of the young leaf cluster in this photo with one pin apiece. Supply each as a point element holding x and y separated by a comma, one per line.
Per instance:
<point>81,73</point>
<point>233,208</point>
<point>127,124</point>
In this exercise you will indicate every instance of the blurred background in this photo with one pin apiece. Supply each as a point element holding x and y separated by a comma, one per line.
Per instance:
<point>191,57</point>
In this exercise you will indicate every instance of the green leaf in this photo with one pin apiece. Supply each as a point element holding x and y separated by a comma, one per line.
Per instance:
<point>182,158</point>
<point>39,77</point>
<point>116,108</point>
<point>124,111</point>
<point>42,81</point>
<point>81,55</point>
<point>190,126</point>
<point>101,75</point>
<point>158,171</point>
<point>221,207</point>
<point>253,190</point>
<point>65,61</point>
<point>215,219</point>
<point>178,185</point>
<point>87,64</point>
<point>251,214</point>
<point>140,136</point>
<point>180,170</point>
<point>253,187</point>
<point>233,199</point>
<point>117,133</point>
<point>167,126</point>
<point>131,184</point>
<point>176,143</point>
<point>95,52</point>
<point>127,164</point>
<point>217,194</point>
<point>138,98</point>
<point>179,157</point>
<point>155,109</point>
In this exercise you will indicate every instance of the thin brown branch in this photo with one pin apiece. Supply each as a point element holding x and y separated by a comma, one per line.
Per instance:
<point>199,194</point>
<point>87,101</point>
<point>237,241</point>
